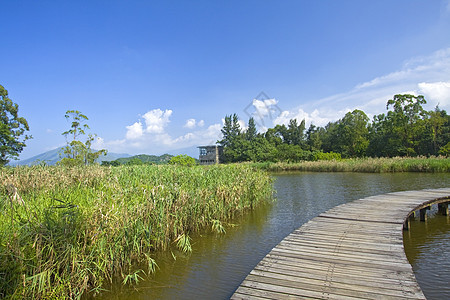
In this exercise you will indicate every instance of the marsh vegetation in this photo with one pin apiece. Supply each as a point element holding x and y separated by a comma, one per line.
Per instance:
<point>67,232</point>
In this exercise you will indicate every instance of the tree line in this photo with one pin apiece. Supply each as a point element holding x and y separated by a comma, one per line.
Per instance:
<point>406,129</point>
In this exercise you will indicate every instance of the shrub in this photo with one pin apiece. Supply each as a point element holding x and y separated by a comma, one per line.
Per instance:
<point>183,160</point>
<point>326,156</point>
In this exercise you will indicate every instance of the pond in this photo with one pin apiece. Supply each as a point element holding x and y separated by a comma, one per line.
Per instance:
<point>219,263</point>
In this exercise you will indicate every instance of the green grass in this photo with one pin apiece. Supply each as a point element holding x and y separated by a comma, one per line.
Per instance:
<point>68,232</point>
<point>368,165</point>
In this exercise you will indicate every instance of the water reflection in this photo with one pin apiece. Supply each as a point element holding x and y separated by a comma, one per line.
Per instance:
<point>427,247</point>
<point>219,263</point>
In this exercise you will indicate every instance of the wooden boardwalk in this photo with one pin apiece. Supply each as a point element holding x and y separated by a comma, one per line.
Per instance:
<point>354,250</point>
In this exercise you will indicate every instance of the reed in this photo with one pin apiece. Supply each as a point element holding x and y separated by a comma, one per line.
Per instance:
<point>68,232</point>
<point>368,165</point>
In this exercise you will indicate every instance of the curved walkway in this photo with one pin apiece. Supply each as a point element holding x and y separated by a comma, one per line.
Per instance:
<point>354,250</point>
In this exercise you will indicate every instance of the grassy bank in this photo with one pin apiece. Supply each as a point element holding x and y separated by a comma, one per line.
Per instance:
<point>368,165</point>
<point>68,232</point>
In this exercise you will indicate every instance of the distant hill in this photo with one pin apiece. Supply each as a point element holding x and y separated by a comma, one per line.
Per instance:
<point>162,159</point>
<point>52,156</point>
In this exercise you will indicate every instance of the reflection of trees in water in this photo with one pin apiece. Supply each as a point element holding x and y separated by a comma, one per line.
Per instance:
<point>426,246</point>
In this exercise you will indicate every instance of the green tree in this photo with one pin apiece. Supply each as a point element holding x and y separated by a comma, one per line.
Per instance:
<point>314,136</point>
<point>262,150</point>
<point>251,132</point>
<point>407,117</point>
<point>274,136</point>
<point>330,138</point>
<point>378,136</point>
<point>183,160</point>
<point>398,133</point>
<point>352,134</point>
<point>436,133</point>
<point>76,151</point>
<point>233,142</point>
<point>295,133</point>
<point>290,153</point>
<point>12,129</point>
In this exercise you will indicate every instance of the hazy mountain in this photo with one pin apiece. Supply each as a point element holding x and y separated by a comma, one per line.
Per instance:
<point>52,156</point>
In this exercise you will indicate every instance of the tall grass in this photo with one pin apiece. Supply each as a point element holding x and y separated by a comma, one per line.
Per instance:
<point>368,165</point>
<point>68,232</point>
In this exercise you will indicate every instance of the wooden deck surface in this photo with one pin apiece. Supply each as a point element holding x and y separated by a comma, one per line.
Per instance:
<point>354,250</point>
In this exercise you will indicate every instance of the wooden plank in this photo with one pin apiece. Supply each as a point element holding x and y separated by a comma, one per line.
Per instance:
<point>284,284</point>
<point>340,251</point>
<point>354,250</point>
<point>381,278</point>
<point>292,292</point>
<point>355,285</point>
<point>342,258</point>
<point>339,266</point>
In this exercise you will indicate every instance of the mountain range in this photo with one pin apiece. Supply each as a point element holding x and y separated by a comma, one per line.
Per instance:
<point>52,156</point>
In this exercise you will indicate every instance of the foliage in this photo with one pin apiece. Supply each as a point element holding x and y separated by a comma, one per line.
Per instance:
<point>407,129</point>
<point>70,232</point>
<point>183,160</point>
<point>445,150</point>
<point>352,134</point>
<point>143,159</point>
<point>12,129</point>
<point>399,132</point>
<point>76,152</point>
<point>319,155</point>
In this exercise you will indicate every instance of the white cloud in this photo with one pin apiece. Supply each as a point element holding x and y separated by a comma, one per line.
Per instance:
<point>192,123</point>
<point>153,138</point>
<point>134,131</point>
<point>156,120</point>
<point>316,117</point>
<point>436,92</point>
<point>263,108</point>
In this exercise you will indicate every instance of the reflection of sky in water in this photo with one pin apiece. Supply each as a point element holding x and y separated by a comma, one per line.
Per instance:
<point>219,263</point>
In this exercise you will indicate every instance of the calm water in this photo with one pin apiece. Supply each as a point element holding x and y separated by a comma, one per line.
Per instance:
<point>427,246</point>
<point>219,263</point>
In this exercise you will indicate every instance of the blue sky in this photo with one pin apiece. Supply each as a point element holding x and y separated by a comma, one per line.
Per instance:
<point>157,76</point>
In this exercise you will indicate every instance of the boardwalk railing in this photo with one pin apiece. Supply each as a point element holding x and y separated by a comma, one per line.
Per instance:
<point>354,250</point>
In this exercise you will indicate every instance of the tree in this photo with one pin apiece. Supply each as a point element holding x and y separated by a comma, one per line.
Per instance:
<point>314,137</point>
<point>330,138</point>
<point>183,160</point>
<point>12,129</point>
<point>407,118</point>
<point>398,133</point>
<point>232,140</point>
<point>295,132</point>
<point>251,132</point>
<point>436,133</point>
<point>353,134</point>
<point>76,151</point>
